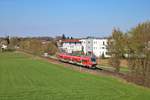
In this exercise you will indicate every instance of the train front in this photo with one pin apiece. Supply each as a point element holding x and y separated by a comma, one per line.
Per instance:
<point>93,62</point>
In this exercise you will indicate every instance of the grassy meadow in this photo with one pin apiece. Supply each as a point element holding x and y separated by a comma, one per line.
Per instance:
<point>24,77</point>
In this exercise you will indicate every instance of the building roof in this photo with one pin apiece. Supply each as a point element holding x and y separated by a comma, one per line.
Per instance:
<point>95,38</point>
<point>71,40</point>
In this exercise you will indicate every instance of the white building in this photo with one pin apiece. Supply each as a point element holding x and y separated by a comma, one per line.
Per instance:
<point>71,45</point>
<point>3,47</point>
<point>97,46</point>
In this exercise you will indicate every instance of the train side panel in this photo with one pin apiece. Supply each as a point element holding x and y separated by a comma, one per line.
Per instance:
<point>79,60</point>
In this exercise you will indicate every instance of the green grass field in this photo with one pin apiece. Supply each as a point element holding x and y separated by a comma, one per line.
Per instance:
<point>26,78</point>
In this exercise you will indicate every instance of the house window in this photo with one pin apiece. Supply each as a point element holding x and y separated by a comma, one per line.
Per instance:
<point>103,43</point>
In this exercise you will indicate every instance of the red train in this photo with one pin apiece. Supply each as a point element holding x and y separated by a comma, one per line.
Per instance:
<point>87,61</point>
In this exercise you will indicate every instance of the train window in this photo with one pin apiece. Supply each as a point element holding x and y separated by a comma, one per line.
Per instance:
<point>93,59</point>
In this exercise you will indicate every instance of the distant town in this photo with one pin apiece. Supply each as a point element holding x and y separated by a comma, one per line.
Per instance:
<point>94,45</point>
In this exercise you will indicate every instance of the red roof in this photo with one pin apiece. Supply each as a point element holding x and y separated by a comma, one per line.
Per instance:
<point>71,40</point>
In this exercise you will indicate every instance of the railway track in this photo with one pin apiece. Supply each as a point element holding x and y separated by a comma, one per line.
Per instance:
<point>95,71</point>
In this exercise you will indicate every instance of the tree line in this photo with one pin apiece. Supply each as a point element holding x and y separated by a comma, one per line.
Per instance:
<point>134,46</point>
<point>36,46</point>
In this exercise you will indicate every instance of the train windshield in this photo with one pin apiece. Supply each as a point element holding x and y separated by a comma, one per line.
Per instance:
<point>93,59</point>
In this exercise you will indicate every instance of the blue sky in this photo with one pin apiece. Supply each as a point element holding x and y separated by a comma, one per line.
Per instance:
<point>78,18</point>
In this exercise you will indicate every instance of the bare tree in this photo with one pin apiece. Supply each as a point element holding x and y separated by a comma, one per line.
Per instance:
<point>116,48</point>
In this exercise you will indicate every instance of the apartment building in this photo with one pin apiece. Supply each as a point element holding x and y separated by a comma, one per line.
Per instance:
<point>97,46</point>
<point>71,45</point>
